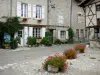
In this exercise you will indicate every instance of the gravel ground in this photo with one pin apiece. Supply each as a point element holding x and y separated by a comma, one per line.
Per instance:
<point>87,63</point>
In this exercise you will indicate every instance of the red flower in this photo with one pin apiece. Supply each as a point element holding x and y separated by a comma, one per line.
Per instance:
<point>24,19</point>
<point>65,66</point>
<point>50,57</point>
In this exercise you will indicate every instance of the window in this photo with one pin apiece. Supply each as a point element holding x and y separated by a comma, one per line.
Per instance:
<point>98,7</point>
<point>36,32</point>
<point>38,11</point>
<point>24,9</point>
<point>60,20</point>
<point>80,17</point>
<point>62,34</point>
<point>82,33</point>
<point>97,33</point>
<point>20,33</point>
<point>98,21</point>
<point>77,33</point>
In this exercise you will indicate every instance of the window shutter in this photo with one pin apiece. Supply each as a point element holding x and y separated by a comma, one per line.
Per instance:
<point>58,34</point>
<point>23,10</point>
<point>40,12</point>
<point>66,34</point>
<point>30,31</point>
<point>34,11</point>
<point>19,9</point>
<point>43,12</point>
<point>29,11</point>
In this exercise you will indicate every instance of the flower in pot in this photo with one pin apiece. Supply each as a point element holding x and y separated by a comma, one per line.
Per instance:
<point>55,64</point>
<point>24,20</point>
<point>80,48</point>
<point>70,54</point>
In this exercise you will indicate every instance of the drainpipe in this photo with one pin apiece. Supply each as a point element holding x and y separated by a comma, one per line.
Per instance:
<point>10,8</point>
<point>71,14</point>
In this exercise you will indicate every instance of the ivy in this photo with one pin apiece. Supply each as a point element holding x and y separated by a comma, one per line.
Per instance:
<point>71,35</point>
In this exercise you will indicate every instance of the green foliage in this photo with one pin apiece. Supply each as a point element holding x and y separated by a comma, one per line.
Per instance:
<point>12,25</point>
<point>31,40</point>
<point>46,41</point>
<point>71,35</point>
<point>55,61</point>
<point>13,43</point>
<point>18,40</point>
<point>58,41</point>
<point>48,34</point>
<point>70,53</point>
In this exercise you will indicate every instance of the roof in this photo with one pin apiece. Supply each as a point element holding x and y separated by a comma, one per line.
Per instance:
<point>96,0</point>
<point>84,2</point>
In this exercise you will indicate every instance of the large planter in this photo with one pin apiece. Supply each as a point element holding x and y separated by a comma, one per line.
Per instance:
<point>52,69</point>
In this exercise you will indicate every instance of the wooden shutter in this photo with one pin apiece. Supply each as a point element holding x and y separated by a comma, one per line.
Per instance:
<point>58,34</point>
<point>34,11</point>
<point>29,11</point>
<point>67,35</point>
<point>19,9</point>
<point>42,12</point>
<point>30,31</point>
<point>23,10</point>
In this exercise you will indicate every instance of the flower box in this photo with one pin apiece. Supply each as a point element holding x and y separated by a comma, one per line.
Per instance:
<point>56,63</point>
<point>24,20</point>
<point>52,69</point>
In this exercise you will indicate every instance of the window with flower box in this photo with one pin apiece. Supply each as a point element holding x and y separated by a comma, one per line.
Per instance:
<point>24,10</point>
<point>38,12</point>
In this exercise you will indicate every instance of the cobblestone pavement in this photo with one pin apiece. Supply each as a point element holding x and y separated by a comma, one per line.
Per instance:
<point>87,63</point>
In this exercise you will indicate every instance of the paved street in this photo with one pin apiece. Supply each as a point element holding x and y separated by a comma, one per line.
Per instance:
<point>27,61</point>
<point>24,54</point>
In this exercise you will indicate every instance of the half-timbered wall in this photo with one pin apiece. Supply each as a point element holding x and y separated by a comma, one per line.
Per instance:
<point>91,19</point>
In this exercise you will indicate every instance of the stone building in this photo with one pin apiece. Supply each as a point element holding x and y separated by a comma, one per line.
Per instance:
<point>32,12</point>
<point>41,15</point>
<point>64,14</point>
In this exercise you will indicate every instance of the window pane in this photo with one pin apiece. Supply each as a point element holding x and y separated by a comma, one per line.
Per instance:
<point>38,10</point>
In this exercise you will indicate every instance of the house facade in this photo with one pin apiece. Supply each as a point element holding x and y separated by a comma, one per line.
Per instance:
<point>37,16</point>
<point>32,13</point>
<point>64,14</point>
<point>92,16</point>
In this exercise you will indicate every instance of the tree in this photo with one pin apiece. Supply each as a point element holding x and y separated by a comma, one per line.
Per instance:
<point>71,35</point>
<point>12,25</point>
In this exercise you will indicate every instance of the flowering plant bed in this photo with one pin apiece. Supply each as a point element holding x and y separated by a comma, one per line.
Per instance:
<point>70,53</point>
<point>80,48</point>
<point>56,63</point>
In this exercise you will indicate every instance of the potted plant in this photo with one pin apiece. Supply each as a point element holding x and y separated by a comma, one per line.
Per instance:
<point>80,48</point>
<point>55,64</point>
<point>70,53</point>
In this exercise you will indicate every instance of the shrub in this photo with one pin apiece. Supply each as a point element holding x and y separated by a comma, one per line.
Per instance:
<point>80,48</point>
<point>31,40</point>
<point>71,35</point>
<point>58,41</point>
<point>46,41</point>
<point>13,44</point>
<point>55,61</point>
<point>70,53</point>
<point>48,33</point>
